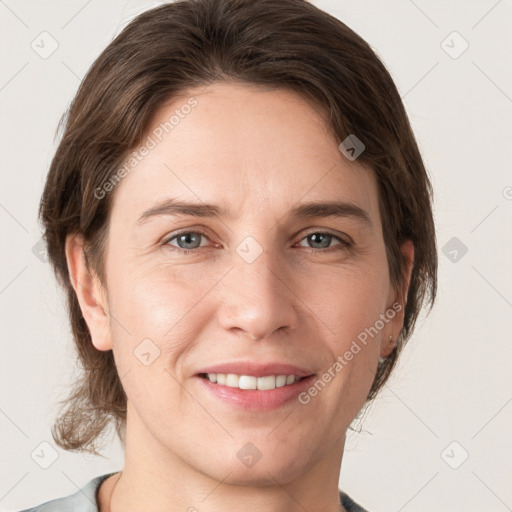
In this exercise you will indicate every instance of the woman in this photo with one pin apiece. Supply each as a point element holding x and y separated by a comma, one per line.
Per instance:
<point>242,221</point>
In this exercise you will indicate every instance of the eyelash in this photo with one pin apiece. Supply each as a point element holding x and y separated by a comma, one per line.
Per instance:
<point>344,244</point>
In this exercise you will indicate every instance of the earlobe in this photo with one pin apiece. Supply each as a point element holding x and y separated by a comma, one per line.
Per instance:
<point>387,347</point>
<point>89,292</point>
<point>407,250</point>
<point>398,307</point>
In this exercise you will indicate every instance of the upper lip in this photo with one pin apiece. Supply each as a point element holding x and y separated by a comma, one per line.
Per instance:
<point>257,369</point>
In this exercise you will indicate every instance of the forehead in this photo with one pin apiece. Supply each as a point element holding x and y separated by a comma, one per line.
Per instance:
<point>250,148</point>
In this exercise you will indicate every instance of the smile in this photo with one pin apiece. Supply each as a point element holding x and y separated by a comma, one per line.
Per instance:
<point>251,393</point>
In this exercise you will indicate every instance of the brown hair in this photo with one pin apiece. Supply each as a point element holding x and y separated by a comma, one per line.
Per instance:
<point>165,50</point>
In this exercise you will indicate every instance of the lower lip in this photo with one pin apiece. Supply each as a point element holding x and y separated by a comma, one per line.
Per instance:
<point>254,399</point>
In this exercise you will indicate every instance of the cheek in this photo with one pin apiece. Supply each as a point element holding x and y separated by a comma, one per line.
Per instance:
<point>152,329</point>
<point>150,296</point>
<point>348,300</point>
<point>351,305</point>
<point>161,301</point>
<point>157,303</point>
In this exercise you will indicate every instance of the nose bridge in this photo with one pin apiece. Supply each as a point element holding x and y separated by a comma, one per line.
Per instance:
<point>258,299</point>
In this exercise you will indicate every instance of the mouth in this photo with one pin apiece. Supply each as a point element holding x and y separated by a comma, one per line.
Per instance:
<point>254,394</point>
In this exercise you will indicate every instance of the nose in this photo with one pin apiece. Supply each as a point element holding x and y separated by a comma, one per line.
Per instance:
<point>258,298</point>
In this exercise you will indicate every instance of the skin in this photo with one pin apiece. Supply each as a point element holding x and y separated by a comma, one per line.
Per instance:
<point>258,152</point>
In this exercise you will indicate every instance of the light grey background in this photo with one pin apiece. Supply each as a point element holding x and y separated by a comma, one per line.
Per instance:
<point>454,380</point>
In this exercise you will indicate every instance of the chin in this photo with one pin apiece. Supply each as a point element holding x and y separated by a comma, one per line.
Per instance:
<point>254,466</point>
<point>263,474</point>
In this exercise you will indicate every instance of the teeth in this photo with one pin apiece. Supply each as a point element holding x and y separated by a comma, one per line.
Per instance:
<point>281,381</point>
<point>251,382</point>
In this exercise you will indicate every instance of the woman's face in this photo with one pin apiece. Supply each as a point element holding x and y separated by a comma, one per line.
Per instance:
<point>261,285</point>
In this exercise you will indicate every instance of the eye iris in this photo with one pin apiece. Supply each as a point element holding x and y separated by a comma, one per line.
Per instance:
<point>186,239</point>
<point>317,238</point>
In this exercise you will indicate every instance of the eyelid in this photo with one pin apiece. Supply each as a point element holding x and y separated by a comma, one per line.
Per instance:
<point>346,244</point>
<point>175,234</point>
<point>326,231</point>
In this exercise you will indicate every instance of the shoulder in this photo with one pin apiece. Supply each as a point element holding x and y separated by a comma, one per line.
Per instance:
<point>83,500</point>
<point>349,504</point>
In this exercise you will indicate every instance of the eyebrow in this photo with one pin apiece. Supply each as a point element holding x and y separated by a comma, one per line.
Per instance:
<point>340,209</point>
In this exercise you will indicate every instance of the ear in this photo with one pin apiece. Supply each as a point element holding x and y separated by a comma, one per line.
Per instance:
<point>90,293</point>
<point>397,303</point>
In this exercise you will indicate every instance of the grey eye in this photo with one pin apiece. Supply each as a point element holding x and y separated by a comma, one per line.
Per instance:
<point>187,240</point>
<point>320,240</point>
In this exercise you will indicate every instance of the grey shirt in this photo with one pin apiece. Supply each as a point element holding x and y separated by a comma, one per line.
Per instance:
<point>85,500</point>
